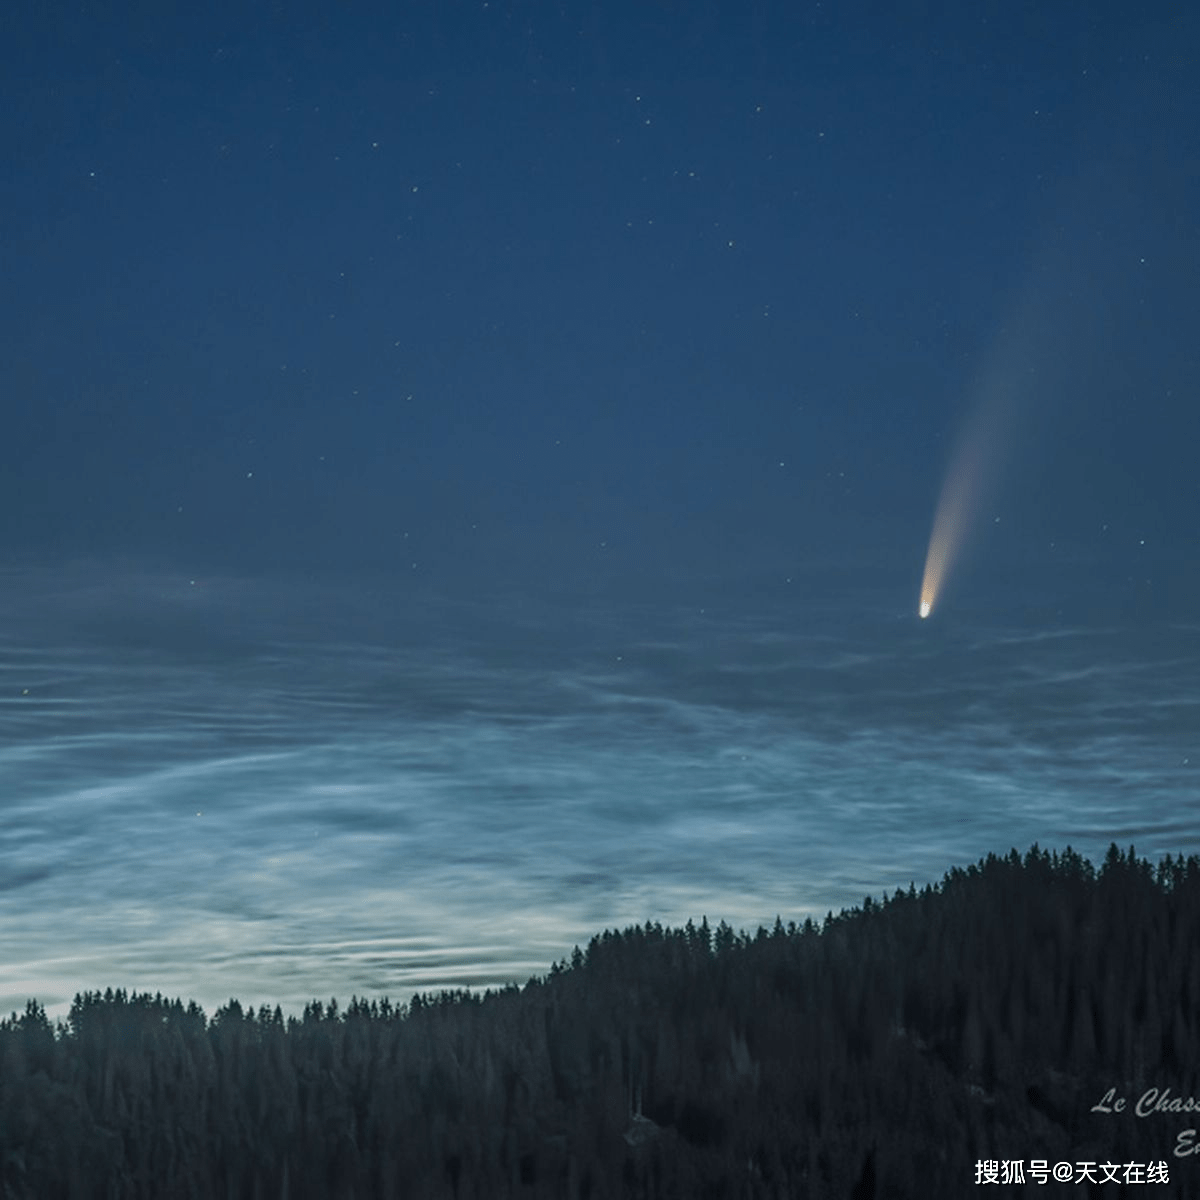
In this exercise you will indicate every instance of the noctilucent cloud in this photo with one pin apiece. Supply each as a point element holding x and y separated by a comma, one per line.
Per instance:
<point>468,474</point>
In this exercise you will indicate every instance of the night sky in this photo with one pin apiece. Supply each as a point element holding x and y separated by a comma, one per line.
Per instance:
<point>467,472</point>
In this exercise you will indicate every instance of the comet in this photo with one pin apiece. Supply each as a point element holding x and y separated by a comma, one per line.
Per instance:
<point>1034,355</point>
<point>968,481</point>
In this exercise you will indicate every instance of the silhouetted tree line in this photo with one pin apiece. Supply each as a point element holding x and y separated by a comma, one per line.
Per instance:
<point>880,1054</point>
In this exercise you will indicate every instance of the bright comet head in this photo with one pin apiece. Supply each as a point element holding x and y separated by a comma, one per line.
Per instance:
<point>925,609</point>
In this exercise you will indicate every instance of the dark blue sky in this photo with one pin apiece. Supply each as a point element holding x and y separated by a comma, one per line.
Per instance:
<point>611,291</point>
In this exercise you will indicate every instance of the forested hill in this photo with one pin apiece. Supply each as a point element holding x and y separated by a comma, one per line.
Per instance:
<point>882,1054</point>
